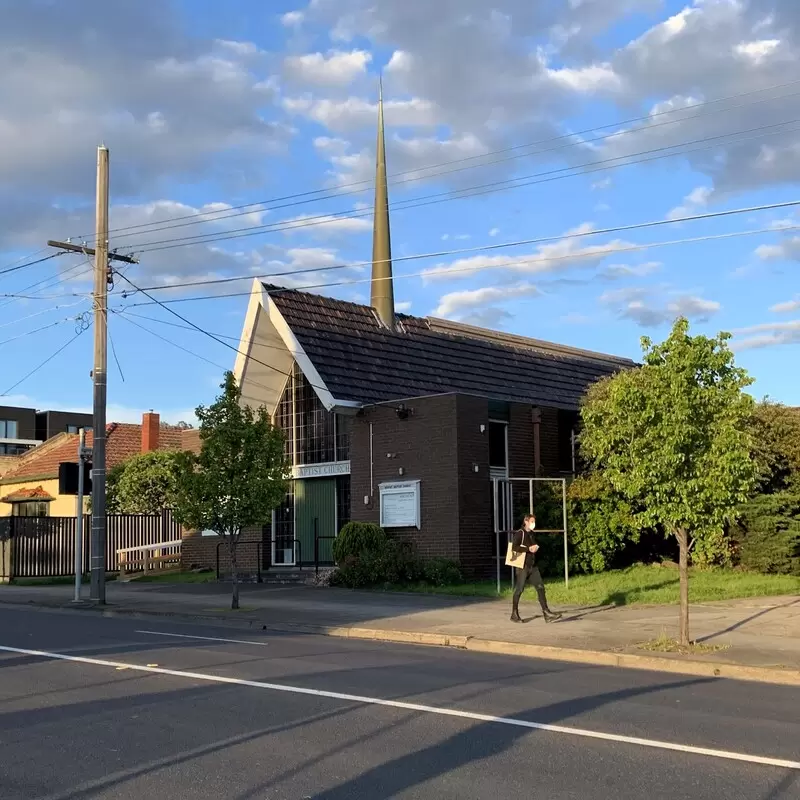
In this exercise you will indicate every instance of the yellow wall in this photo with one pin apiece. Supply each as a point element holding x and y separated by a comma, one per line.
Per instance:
<point>61,506</point>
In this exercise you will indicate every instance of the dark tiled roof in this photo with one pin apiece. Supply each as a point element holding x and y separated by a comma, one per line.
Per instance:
<point>361,361</point>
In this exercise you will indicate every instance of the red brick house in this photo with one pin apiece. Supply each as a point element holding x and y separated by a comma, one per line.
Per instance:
<point>30,488</point>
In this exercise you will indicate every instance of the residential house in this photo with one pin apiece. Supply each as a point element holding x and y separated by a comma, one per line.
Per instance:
<point>31,487</point>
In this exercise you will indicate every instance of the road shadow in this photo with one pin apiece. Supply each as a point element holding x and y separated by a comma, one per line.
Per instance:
<point>478,742</point>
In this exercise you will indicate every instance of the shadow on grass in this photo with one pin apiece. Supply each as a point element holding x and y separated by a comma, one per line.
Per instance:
<point>628,596</point>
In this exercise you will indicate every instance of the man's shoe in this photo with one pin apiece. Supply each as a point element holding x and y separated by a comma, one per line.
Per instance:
<point>552,616</point>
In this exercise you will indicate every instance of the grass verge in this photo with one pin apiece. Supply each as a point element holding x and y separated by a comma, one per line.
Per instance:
<point>665,644</point>
<point>641,584</point>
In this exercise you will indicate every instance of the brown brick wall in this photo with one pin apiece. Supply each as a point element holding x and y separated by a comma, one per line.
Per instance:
<point>475,524</point>
<point>201,551</point>
<point>425,446</point>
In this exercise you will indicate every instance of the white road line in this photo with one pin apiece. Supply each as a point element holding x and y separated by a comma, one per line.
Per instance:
<point>203,638</point>
<point>443,712</point>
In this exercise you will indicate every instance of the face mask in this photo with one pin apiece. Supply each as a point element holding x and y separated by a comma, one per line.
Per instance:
<point>532,523</point>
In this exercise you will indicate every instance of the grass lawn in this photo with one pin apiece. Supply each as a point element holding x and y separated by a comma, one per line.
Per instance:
<point>636,585</point>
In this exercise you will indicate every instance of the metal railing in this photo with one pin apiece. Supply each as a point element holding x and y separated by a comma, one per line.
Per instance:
<point>317,540</point>
<point>239,545</point>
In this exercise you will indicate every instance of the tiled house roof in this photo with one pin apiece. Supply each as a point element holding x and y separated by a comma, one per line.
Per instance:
<point>23,495</point>
<point>360,360</point>
<point>123,441</point>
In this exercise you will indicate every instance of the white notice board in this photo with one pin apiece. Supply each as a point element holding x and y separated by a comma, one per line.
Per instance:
<point>400,504</point>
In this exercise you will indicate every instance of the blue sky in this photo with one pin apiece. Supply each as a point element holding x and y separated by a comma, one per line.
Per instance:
<point>212,105</point>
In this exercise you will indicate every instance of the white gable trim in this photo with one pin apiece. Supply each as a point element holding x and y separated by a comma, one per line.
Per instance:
<point>262,303</point>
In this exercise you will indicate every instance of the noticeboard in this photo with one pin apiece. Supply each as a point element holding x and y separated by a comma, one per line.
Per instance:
<point>400,504</point>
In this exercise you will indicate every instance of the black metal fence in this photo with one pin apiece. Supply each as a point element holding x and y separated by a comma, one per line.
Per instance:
<point>44,547</point>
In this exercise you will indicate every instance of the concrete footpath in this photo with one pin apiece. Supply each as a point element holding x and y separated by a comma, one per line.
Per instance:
<point>754,639</point>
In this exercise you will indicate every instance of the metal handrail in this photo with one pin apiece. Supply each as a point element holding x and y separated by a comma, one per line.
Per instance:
<point>244,544</point>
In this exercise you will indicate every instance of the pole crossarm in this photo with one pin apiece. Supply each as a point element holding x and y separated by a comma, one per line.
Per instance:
<point>89,251</point>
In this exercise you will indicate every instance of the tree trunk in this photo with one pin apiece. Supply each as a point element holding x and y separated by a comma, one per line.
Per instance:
<point>683,542</point>
<point>234,574</point>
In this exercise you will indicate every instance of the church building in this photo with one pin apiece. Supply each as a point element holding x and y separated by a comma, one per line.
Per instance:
<point>399,420</point>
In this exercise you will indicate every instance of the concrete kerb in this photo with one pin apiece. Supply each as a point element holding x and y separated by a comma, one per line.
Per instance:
<point>603,658</point>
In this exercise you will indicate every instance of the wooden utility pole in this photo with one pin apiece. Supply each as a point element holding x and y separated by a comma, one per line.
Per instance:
<point>99,373</point>
<point>99,379</point>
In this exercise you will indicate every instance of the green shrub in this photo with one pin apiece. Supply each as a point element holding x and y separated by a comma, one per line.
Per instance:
<point>767,535</point>
<point>393,562</point>
<point>442,572</point>
<point>356,538</point>
<point>601,524</point>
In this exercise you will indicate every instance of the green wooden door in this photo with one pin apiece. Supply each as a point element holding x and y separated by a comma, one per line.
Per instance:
<point>315,500</point>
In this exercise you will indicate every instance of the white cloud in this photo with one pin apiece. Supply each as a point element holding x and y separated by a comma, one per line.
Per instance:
<point>650,307</point>
<point>482,306</point>
<point>615,271</point>
<point>693,203</point>
<point>335,68</point>
<point>586,80</point>
<point>171,106</point>
<point>787,307</point>
<point>769,334</point>
<point>604,183</point>
<point>494,232</point>
<point>293,19</point>
<point>403,307</point>
<point>758,50</point>
<point>557,256</point>
<point>455,304</point>
<point>327,226</point>
<point>354,112</point>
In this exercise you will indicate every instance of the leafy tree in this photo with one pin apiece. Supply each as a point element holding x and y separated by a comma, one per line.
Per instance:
<point>776,430</point>
<point>674,437</point>
<point>144,484</point>
<point>768,533</point>
<point>238,478</point>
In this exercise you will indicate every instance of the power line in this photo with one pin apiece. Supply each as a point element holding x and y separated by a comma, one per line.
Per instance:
<point>42,365</point>
<point>38,330</point>
<point>39,313</point>
<point>29,263</point>
<point>491,247</point>
<point>573,143</point>
<point>45,283</point>
<point>25,257</point>
<point>585,255</point>
<point>475,191</point>
<point>123,314</point>
<point>213,216</point>
<point>211,335</point>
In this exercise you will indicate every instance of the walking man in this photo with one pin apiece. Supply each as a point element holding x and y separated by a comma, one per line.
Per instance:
<point>524,542</point>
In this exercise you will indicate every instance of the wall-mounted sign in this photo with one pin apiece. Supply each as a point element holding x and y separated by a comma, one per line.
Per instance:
<point>321,470</point>
<point>400,504</point>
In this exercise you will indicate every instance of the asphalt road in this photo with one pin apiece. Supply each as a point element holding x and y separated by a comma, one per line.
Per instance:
<point>117,708</point>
